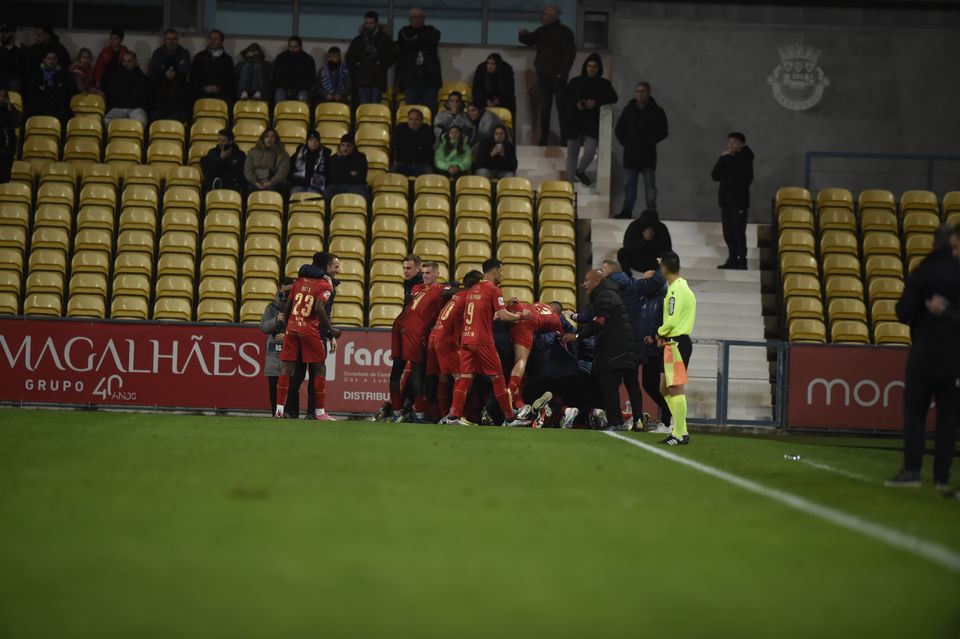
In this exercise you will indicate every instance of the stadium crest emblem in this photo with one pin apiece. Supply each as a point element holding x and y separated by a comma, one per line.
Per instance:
<point>798,82</point>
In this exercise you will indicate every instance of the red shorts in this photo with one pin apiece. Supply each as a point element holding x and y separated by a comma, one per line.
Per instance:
<point>480,358</point>
<point>309,347</point>
<point>521,334</point>
<point>445,357</point>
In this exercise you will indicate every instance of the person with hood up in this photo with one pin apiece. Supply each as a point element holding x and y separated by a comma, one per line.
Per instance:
<point>642,125</point>
<point>452,157</point>
<point>50,90</point>
<point>293,73</point>
<point>614,361</point>
<point>46,41</point>
<point>333,80</point>
<point>369,56</point>
<point>496,156</point>
<point>418,61</point>
<point>170,95</point>
<point>309,166</point>
<point>556,49</point>
<point>267,164</point>
<point>644,241</point>
<point>734,172</point>
<point>128,91</point>
<point>494,85</point>
<point>348,170</point>
<point>170,52</point>
<point>252,73</point>
<point>482,123</point>
<point>212,73</point>
<point>585,95</point>
<point>453,114</point>
<point>110,56</point>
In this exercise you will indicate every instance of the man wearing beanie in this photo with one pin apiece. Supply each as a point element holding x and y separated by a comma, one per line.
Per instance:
<point>309,166</point>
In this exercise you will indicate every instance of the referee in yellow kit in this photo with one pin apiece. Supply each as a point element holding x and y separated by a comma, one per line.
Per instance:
<point>679,315</point>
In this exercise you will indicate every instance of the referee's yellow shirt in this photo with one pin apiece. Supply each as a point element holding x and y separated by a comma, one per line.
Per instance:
<point>679,310</point>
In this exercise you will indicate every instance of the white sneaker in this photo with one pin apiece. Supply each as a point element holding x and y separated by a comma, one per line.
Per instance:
<point>517,420</point>
<point>628,424</point>
<point>256,95</point>
<point>569,415</point>
<point>662,428</point>
<point>244,95</point>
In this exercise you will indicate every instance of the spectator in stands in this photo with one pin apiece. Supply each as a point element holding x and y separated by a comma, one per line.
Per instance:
<point>496,156</point>
<point>413,146</point>
<point>211,73</point>
<point>493,84</point>
<point>253,73</point>
<point>309,166</point>
<point>556,49</point>
<point>369,56</point>
<point>82,73</point>
<point>734,172</point>
<point>13,58</point>
<point>452,115</point>
<point>128,91</point>
<point>46,41</point>
<point>170,95</point>
<point>267,164</point>
<point>333,82</point>
<point>170,51</point>
<point>50,90</point>
<point>585,95</point>
<point>644,241</point>
<point>418,61</point>
<point>642,125</point>
<point>223,166</point>
<point>110,57</point>
<point>482,123</point>
<point>9,123</point>
<point>293,73</point>
<point>273,324</point>
<point>348,170</point>
<point>452,157</point>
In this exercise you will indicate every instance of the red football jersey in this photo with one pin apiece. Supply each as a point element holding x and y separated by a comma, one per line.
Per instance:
<point>424,308</point>
<point>449,325</point>
<point>480,304</point>
<point>304,296</point>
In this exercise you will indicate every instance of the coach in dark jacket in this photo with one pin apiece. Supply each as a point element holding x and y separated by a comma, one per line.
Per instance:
<point>418,61</point>
<point>494,84</point>
<point>641,127</point>
<point>645,240</point>
<point>615,357</point>
<point>931,306</point>
<point>556,49</point>
<point>413,146</point>
<point>734,172</point>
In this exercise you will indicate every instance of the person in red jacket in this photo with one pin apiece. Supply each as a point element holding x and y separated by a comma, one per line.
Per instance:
<point>110,56</point>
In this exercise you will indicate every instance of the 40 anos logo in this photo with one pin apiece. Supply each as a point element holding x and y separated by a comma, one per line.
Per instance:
<point>112,388</point>
<point>798,82</point>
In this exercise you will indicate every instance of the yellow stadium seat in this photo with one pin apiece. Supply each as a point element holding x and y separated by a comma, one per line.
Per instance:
<point>505,116</point>
<point>291,111</point>
<point>258,288</point>
<point>94,240</point>
<point>884,310</point>
<point>9,281</point>
<point>129,307</point>
<point>21,172</point>
<point>386,292</point>
<point>847,309</point>
<point>138,217</point>
<point>123,152</point>
<point>248,132</point>
<point>103,174</point>
<point>135,240</point>
<point>843,286</point>
<point>566,297</point>
<point>473,185</point>
<point>877,199</point>
<point>350,292</point>
<point>435,206</point>
<point>953,219</point>
<point>891,334</point>
<point>919,201</point>
<point>173,309</point>
<point>890,288</point>
<point>13,237</point>
<point>878,243</point>
<point>171,130</point>
<point>558,232</point>
<point>9,304</point>
<point>884,266</point>
<point>307,203</point>
<point>376,113</point>
<point>133,262</point>
<point>836,219</point>
<point>218,266</point>
<point>89,105</point>
<point>256,110</point>
<point>515,187</point>
<point>402,111</point>
<point>178,242</point>
<point>53,215</point>
<point>918,245</point>
<point>45,282</point>
<point>43,126</point>
<point>470,206</point>
<point>431,228</point>
<point>951,203</point>
<point>330,133</point>
<point>515,253</point>
<point>184,177</point>
<point>382,315</point>
<point>386,271</point>
<point>265,201</point>
<point>211,108</point>
<point>90,261</point>
<point>91,306</point>
<point>222,221</point>
<point>375,136</point>
<point>303,223</point>
<point>878,220</point>
<point>142,176</point>
<point>473,251</point>
<point>216,310</point>
<point>841,264</point>
<point>511,230</point>
<point>555,189</point>
<point>264,222</point>
<point>522,293</point>
<point>51,238</point>
<point>834,198</point>
<point>347,314</point>
<point>351,270</point>
<point>139,196</point>
<point>303,246</point>
<point>804,308</point>
<point>177,219</point>
<point>48,259</point>
<point>43,304</point>
<point>349,247</point>
<point>378,162</point>
<point>125,129</point>
<point>465,267</point>
<point>55,193</point>
<point>801,285</point>
<point>16,192</point>
<point>514,207</point>
<point>15,214</point>
<point>265,245</point>
<point>389,226</point>
<point>807,330</point>
<point>175,264</point>
<point>432,184</point>
<point>390,204</point>
<point>348,203</point>
<point>224,199</point>
<point>558,277</point>
<point>920,221</point>
<point>849,332</point>
<point>795,217</point>
<point>39,152</point>
<point>475,229</point>
<point>224,288</point>
<point>292,133</point>
<point>206,130</point>
<point>332,112</point>
<point>388,249</point>
<point>165,154</point>
<point>89,284</point>
<point>219,243</point>
<point>59,172</point>
<point>132,284</point>
<point>838,242</point>
<point>801,263</point>
<point>181,197</point>
<point>251,311</point>
<point>345,224</point>
<point>557,254</point>
<point>12,260</point>
<point>262,267</point>
<point>390,183</point>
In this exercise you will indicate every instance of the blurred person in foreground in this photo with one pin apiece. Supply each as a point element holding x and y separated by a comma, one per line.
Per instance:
<point>272,325</point>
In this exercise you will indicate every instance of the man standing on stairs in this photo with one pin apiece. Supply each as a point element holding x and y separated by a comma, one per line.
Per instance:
<point>556,49</point>
<point>641,127</point>
<point>585,95</point>
<point>734,172</point>
<point>679,316</point>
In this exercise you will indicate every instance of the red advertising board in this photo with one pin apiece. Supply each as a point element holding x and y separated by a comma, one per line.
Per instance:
<point>146,364</point>
<point>846,387</point>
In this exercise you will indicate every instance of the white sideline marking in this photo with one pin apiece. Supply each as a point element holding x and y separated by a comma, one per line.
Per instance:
<point>838,471</point>
<point>934,552</point>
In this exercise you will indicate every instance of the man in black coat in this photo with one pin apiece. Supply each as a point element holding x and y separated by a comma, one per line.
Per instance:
<point>211,74</point>
<point>493,84</point>
<point>170,95</point>
<point>170,52</point>
<point>222,167</point>
<point>413,146</point>
<point>13,58</point>
<point>49,90</point>
<point>556,49</point>
<point>128,91</point>
<point>931,306</point>
<point>645,240</point>
<point>45,41</point>
<point>615,358</point>
<point>348,171</point>
<point>369,56</point>
<point>293,73</point>
<point>734,172</point>
<point>642,125</point>
<point>418,61</point>
<point>585,95</point>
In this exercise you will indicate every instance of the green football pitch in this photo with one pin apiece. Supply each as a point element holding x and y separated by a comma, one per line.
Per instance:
<point>132,525</point>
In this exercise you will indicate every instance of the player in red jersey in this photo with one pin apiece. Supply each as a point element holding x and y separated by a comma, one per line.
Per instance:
<point>543,319</point>
<point>478,354</point>
<point>412,276</point>
<point>305,316</point>
<point>443,347</point>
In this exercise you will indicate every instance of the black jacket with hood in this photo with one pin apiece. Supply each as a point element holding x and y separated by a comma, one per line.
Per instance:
<point>639,254</point>
<point>639,131</point>
<point>583,87</point>
<point>616,348</point>
<point>500,84</point>
<point>734,172</point>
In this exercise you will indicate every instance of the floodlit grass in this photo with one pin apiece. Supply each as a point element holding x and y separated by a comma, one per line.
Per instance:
<point>120,525</point>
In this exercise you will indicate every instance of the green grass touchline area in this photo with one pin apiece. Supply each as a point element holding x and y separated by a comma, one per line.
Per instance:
<point>134,525</point>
